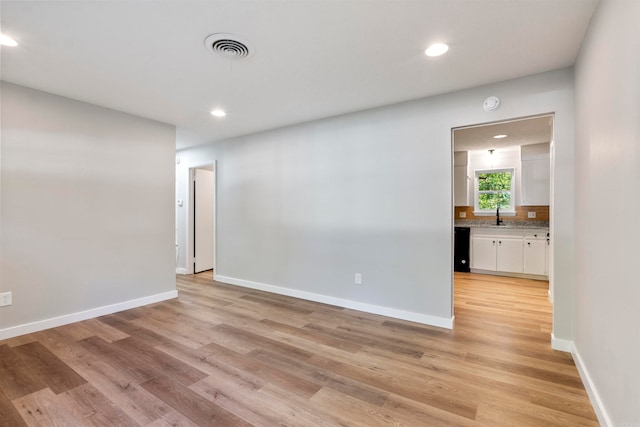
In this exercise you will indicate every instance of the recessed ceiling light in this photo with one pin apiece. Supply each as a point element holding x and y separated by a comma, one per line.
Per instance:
<point>500,136</point>
<point>7,41</point>
<point>436,49</point>
<point>218,113</point>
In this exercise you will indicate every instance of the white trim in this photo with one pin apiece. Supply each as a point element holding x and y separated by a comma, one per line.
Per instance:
<point>510,274</point>
<point>441,322</point>
<point>188,200</point>
<point>561,344</point>
<point>552,155</point>
<point>53,322</point>
<point>504,121</point>
<point>594,396</point>
<point>180,270</point>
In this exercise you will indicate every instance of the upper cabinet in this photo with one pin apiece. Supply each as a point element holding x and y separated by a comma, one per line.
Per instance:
<point>460,178</point>
<point>536,173</point>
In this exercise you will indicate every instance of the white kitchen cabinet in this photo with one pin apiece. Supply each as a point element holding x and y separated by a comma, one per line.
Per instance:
<point>461,178</point>
<point>547,258</point>
<point>535,256</point>
<point>497,253</point>
<point>536,252</point>
<point>535,175</point>
<point>509,255</point>
<point>484,253</point>
<point>460,186</point>
<point>509,251</point>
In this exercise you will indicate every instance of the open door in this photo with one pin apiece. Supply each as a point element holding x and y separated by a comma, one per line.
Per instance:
<point>203,220</point>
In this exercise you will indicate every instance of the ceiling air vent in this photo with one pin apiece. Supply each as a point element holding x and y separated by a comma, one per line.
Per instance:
<point>229,46</point>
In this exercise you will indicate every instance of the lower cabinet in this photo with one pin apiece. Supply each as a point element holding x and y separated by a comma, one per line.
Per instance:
<point>483,253</point>
<point>509,251</point>
<point>497,254</point>
<point>509,255</point>
<point>535,256</point>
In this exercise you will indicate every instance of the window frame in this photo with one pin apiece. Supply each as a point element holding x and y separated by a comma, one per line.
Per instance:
<point>512,199</point>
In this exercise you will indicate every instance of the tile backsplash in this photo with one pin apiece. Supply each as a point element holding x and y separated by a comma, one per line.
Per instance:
<point>542,213</point>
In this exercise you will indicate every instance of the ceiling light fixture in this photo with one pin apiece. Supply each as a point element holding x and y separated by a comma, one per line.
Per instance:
<point>218,113</point>
<point>7,41</point>
<point>436,49</point>
<point>500,136</point>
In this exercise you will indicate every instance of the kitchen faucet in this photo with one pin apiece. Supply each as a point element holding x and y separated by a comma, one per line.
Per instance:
<point>498,220</point>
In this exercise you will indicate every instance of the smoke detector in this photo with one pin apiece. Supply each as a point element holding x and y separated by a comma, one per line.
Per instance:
<point>492,103</point>
<point>229,46</point>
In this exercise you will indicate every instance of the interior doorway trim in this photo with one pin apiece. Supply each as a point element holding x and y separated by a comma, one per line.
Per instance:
<point>189,203</point>
<point>552,143</point>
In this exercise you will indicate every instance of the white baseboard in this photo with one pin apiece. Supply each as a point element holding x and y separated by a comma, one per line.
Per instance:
<point>594,396</point>
<point>561,344</point>
<point>53,322</point>
<point>441,322</point>
<point>181,270</point>
<point>508,274</point>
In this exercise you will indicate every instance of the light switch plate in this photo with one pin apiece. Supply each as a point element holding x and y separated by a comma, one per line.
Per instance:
<point>532,214</point>
<point>463,214</point>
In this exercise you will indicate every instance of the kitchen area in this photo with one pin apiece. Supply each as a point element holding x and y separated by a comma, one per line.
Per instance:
<point>502,198</point>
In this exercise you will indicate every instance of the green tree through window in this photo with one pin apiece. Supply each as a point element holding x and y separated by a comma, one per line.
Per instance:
<point>494,189</point>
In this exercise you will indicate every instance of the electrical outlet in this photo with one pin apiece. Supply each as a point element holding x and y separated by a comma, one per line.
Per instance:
<point>532,214</point>
<point>5,299</point>
<point>463,214</point>
<point>358,279</point>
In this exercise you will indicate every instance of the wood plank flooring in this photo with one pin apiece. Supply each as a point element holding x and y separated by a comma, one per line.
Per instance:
<point>221,355</point>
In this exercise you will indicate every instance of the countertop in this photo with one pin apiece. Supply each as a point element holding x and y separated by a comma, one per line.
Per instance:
<point>513,224</point>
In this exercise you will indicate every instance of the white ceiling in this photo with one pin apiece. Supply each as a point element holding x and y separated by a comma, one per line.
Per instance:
<point>519,132</point>
<point>313,59</point>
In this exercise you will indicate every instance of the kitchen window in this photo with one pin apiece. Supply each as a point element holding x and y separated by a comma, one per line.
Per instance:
<point>494,188</point>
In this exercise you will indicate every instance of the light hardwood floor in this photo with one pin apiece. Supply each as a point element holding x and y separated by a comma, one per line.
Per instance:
<point>224,355</point>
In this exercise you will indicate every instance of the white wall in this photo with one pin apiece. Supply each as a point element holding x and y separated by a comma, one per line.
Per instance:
<point>87,208</point>
<point>305,207</point>
<point>607,295</point>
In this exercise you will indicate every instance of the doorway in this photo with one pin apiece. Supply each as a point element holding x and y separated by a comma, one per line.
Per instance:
<point>502,192</point>
<point>201,218</point>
